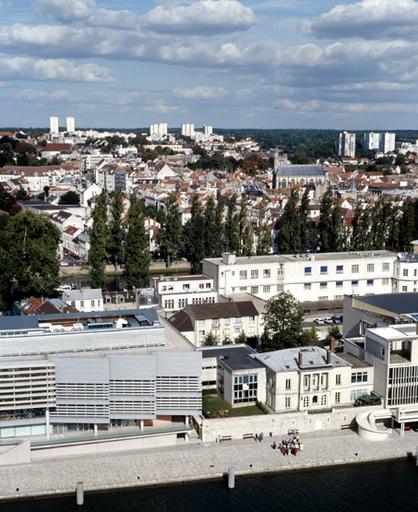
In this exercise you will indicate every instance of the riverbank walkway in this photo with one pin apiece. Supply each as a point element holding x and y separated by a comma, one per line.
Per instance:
<point>185,462</point>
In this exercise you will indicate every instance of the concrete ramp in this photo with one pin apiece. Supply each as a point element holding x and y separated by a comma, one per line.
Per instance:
<point>367,428</point>
<point>17,453</point>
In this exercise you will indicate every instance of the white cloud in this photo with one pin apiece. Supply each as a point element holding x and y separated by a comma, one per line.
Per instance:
<point>25,68</point>
<point>66,10</point>
<point>200,17</point>
<point>368,19</point>
<point>201,92</point>
<point>159,106</point>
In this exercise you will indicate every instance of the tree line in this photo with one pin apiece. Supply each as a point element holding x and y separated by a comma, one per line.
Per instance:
<point>383,224</point>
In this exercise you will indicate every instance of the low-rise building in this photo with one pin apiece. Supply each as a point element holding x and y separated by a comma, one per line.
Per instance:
<point>177,292</point>
<point>84,299</point>
<point>225,321</point>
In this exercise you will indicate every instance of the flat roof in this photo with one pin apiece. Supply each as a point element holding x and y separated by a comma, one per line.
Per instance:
<point>306,258</point>
<point>235,357</point>
<point>399,303</point>
<point>354,361</point>
<point>86,341</point>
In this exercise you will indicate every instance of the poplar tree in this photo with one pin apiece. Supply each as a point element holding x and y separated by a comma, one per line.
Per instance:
<point>97,254</point>
<point>169,235</point>
<point>303,215</point>
<point>232,234</point>
<point>116,233</point>
<point>194,237</point>
<point>407,222</point>
<point>219,247</point>
<point>244,232</point>
<point>288,236</point>
<point>248,241</point>
<point>325,228</point>
<point>362,236</point>
<point>263,231</point>
<point>137,253</point>
<point>211,232</point>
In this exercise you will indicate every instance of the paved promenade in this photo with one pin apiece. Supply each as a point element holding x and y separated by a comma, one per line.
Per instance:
<point>193,461</point>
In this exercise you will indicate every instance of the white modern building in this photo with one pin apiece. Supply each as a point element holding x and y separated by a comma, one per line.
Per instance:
<point>387,142</point>
<point>309,277</point>
<point>70,125</point>
<point>187,130</point>
<point>177,292</point>
<point>96,380</point>
<point>208,130</point>
<point>53,125</point>
<point>347,144</point>
<point>158,130</point>
<point>371,141</point>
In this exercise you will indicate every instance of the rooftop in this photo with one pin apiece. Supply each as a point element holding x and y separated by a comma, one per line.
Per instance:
<point>287,360</point>
<point>354,361</point>
<point>398,303</point>
<point>300,170</point>
<point>235,357</point>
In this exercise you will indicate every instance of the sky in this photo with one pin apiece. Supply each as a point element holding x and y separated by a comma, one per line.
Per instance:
<point>229,63</point>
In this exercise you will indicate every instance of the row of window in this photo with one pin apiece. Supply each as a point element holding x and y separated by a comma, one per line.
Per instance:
<point>266,273</point>
<point>359,377</point>
<point>340,284</point>
<point>339,269</point>
<point>186,286</point>
<point>253,289</point>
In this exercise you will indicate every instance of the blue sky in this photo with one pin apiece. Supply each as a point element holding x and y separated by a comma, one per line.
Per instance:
<point>230,63</point>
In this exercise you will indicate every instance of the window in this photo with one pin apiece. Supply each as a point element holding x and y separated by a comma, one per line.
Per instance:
<point>201,285</point>
<point>254,274</point>
<point>243,274</point>
<point>355,269</point>
<point>324,270</point>
<point>306,381</point>
<point>266,289</point>
<point>280,270</point>
<point>201,333</point>
<point>254,289</point>
<point>323,285</point>
<point>404,288</point>
<point>307,286</point>
<point>242,288</point>
<point>340,269</point>
<point>323,297</point>
<point>226,321</point>
<point>207,285</point>
<point>385,281</point>
<point>245,388</point>
<point>355,393</point>
<point>266,272</point>
<point>92,303</point>
<point>288,383</point>
<point>306,401</point>
<point>370,282</point>
<point>186,287</point>
<point>385,267</point>
<point>358,377</point>
<point>370,267</point>
<point>287,402</point>
<point>324,400</point>
<point>82,303</point>
<point>338,379</point>
<point>405,272</point>
<point>339,284</point>
<point>337,398</point>
<point>308,271</point>
<point>354,283</point>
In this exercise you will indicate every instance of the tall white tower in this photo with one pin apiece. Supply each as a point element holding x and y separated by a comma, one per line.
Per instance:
<point>208,130</point>
<point>53,125</point>
<point>70,125</point>
<point>347,144</point>
<point>187,130</point>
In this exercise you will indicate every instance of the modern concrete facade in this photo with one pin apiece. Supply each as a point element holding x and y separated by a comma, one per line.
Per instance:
<point>347,144</point>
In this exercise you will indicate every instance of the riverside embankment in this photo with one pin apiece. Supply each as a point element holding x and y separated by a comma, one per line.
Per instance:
<point>194,461</point>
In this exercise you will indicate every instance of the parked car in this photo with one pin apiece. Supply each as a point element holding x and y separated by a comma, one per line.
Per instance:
<point>328,321</point>
<point>336,320</point>
<point>319,321</point>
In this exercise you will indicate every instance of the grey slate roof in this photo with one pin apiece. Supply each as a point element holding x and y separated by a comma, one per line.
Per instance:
<point>235,357</point>
<point>398,303</point>
<point>287,360</point>
<point>300,170</point>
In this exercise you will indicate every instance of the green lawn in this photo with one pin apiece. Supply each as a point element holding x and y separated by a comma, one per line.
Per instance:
<point>215,407</point>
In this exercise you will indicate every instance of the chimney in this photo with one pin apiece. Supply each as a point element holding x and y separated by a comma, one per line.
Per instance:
<point>329,353</point>
<point>228,258</point>
<point>300,358</point>
<point>332,343</point>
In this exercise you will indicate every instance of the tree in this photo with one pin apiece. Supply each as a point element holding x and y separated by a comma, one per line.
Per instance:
<point>69,197</point>
<point>252,164</point>
<point>288,236</point>
<point>303,214</point>
<point>211,229</point>
<point>263,231</point>
<point>219,228</point>
<point>407,221</point>
<point>362,233</point>
<point>382,214</point>
<point>116,233</point>
<point>169,235</point>
<point>194,237</point>
<point>282,323</point>
<point>97,253</point>
<point>245,229</point>
<point>210,340</point>
<point>28,256</point>
<point>137,254</point>
<point>232,228</point>
<point>242,338</point>
<point>330,225</point>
